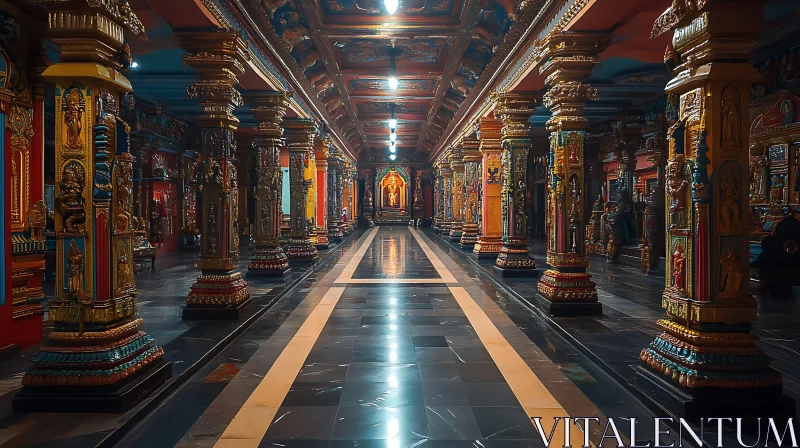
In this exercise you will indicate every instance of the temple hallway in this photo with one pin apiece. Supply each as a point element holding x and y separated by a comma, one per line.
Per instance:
<point>397,346</point>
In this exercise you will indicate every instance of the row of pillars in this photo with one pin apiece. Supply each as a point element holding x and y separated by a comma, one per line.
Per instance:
<point>97,357</point>
<point>706,362</point>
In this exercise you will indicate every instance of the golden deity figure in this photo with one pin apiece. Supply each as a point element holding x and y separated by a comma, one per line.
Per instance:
<point>731,275</point>
<point>75,273</point>
<point>393,193</point>
<point>679,268</point>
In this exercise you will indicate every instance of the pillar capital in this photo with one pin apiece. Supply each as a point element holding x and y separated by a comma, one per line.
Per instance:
<point>300,132</point>
<point>218,57</point>
<point>322,147</point>
<point>457,160</point>
<point>268,109</point>
<point>489,130</point>
<point>471,149</point>
<point>92,31</point>
<point>514,111</point>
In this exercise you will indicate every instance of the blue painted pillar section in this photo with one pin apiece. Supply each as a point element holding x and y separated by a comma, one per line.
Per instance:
<point>285,205</point>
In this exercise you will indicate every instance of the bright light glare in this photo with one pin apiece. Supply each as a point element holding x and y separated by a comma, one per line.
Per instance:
<point>392,149</point>
<point>392,123</point>
<point>392,137</point>
<point>134,64</point>
<point>391,5</point>
<point>392,156</point>
<point>393,82</point>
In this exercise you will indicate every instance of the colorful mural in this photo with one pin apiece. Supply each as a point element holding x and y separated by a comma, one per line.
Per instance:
<point>376,8</point>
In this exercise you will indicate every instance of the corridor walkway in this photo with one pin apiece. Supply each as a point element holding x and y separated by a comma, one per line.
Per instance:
<point>396,346</point>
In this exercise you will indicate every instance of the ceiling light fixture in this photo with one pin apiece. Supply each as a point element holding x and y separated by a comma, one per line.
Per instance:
<point>393,53</point>
<point>392,148</point>
<point>134,64</point>
<point>392,156</point>
<point>393,137</point>
<point>391,5</point>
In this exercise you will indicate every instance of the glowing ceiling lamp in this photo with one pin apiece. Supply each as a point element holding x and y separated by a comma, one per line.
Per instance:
<point>392,156</point>
<point>393,53</point>
<point>393,149</point>
<point>134,64</point>
<point>391,5</point>
<point>392,137</point>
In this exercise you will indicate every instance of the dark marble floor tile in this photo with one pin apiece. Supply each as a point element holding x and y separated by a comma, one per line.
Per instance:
<point>382,372</point>
<point>322,372</point>
<point>307,422</point>
<point>439,372</point>
<point>313,394</point>
<point>451,423</point>
<point>435,355</point>
<point>490,394</point>
<point>504,423</point>
<point>399,354</point>
<point>381,443</point>
<point>445,394</point>
<point>472,354</point>
<point>430,341</point>
<point>271,443</point>
<point>424,320</point>
<point>387,395</point>
<point>479,372</point>
<point>360,423</point>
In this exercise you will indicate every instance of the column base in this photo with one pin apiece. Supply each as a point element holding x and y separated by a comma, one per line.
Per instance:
<point>488,247</point>
<point>216,294</point>
<point>322,238</point>
<point>514,260</point>
<point>116,398</point>
<point>469,236</point>
<point>300,251</point>
<point>444,228</point>
<point>709,402</point>
<point>570,293</point>
<point>456,231</point>
<point>335,234</point>
<point>268,262</point>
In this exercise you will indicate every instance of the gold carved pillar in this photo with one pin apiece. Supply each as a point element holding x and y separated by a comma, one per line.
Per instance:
<point>447,195</point>
<point>568,60</point>
<point>472,178</point>
<point>438,201</point>
<point>322,144</point>
<point>300,134</point>
<point>706,362</point>
<point>491,239</point>
<point>514,258</point>
<point>218,57</point>
<point>268,258</point>
<point>350,182</point>
<point>335,167</point>
<point>97,348</point>
<point>457,166</point>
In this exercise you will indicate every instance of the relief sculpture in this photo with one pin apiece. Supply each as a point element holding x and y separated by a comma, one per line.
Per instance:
<point>73,105</point>
<point>70,200</point>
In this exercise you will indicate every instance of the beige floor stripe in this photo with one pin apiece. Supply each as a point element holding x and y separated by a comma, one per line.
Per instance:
<point>251,422</point>
<point>534,397</point>
<point>447,277</point>
<point>348,271</point>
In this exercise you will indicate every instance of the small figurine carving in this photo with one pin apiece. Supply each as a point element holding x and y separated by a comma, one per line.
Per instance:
<point>730,210</point>
<point>731,275</point>
<point>123,271</point>
<point>679,268</point>
<point>70,200</point>
<point>731,119</point>
<point>212,229</point>
<point>73,106</point>
<point>75,273</point>
<point>676,187</point>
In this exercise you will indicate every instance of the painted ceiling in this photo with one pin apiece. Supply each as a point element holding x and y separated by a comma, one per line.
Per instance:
<point>342,48</point>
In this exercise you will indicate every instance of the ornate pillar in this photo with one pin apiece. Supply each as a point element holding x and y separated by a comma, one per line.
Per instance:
<point>438,203</point>
<point>350,182</point>
<point>491,239</point>
<point>419,195</point>
<point>706,362</point>
<point>568,59</point>
<point>457,166</point>
<point>447,195</point>
<point>300,134</point>
<point>472,160</point>
<point>217,57</point>
<point>369,201</point>
<point>335,165</point>
<point>514,259</point>
<point>97,350</point>
<point>322,145</point>
<point>268,258</point>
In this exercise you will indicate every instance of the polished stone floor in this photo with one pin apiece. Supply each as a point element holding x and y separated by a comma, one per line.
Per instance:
<point>395,346</point>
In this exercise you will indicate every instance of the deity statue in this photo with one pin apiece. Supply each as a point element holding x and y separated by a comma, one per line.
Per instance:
<point>679,267</point>
<point>75,273</point>
<point>730,210</point>
<point>121,221</point>
<point>393,193</point>
<point>759,171</point>
<point>73,118</point>
<point>731,120</point>
<point>70,200</point>
<point>676,188</point>
<point>123,271</point>
<point>731,281</point>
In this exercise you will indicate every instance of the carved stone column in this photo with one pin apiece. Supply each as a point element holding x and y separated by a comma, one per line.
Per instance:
<point>268,258</point>
<point>706,362</point>
<point>419,196</point>
<point>350,183</point>
<point>514,259</point>
<point>568,59</point>
<point>97,358</point>
<point>335,165</point>
<point>447,196</point>
<point>217,57</point>
<point>472,178</point>
<point>491,239</point>
<point>300,134</point>
<point>457,166</point>
<point>322,145</point>
<point>369,196</point>
<point>438,200</point>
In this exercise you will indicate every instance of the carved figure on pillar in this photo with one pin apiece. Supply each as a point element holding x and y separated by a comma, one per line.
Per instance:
<point>566,285</point>
<point>97,332</point>
<point>218,58</point>
<point>369,201</point>
<point>706,359</point>
<point>300,134</point>
<point>268,258</point>
<point>457,167</point>
<point>322,144</point>
<point>514,258</point>
<point>335,165</point>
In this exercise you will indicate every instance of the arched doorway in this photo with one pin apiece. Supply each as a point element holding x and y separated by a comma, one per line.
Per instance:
<point>392,195</point>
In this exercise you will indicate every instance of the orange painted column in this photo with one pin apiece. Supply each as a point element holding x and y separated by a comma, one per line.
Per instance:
<point>322,145</point>
<point>491,237</point>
